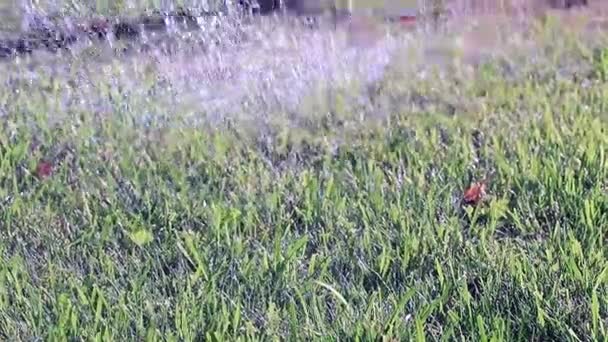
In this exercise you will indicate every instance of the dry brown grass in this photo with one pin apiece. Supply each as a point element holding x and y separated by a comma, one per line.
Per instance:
<point>483,23</point>
<point>522,8</point>
<point>488,25</point>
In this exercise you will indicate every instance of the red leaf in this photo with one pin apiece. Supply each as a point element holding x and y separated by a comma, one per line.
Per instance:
<point>475,193</point>
<point>44,169</point>
<point>407,19</point>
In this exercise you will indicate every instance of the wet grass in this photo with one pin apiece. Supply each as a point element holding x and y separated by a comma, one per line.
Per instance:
<point>133,209</point>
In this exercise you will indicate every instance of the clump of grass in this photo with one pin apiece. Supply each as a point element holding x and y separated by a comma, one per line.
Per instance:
<point>331,210</point>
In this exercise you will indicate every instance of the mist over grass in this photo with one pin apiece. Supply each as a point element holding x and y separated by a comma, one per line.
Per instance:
<point>308,186</point>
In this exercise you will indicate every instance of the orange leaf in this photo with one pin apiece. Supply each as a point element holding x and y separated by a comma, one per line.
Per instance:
<point>475,193</point>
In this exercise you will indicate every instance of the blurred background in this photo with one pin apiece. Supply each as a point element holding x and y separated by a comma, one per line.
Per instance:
<point>13,12</point>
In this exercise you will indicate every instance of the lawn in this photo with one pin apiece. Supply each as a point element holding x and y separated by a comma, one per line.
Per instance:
<point>305,189</point>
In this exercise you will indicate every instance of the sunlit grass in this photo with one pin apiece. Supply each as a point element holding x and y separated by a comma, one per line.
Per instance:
<point>323,202</point>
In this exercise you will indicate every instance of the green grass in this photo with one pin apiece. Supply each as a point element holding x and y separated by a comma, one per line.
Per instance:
<point>339,222</point>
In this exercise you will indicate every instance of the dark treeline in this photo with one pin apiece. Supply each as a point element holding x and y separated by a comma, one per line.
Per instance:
<point>42,35</point>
